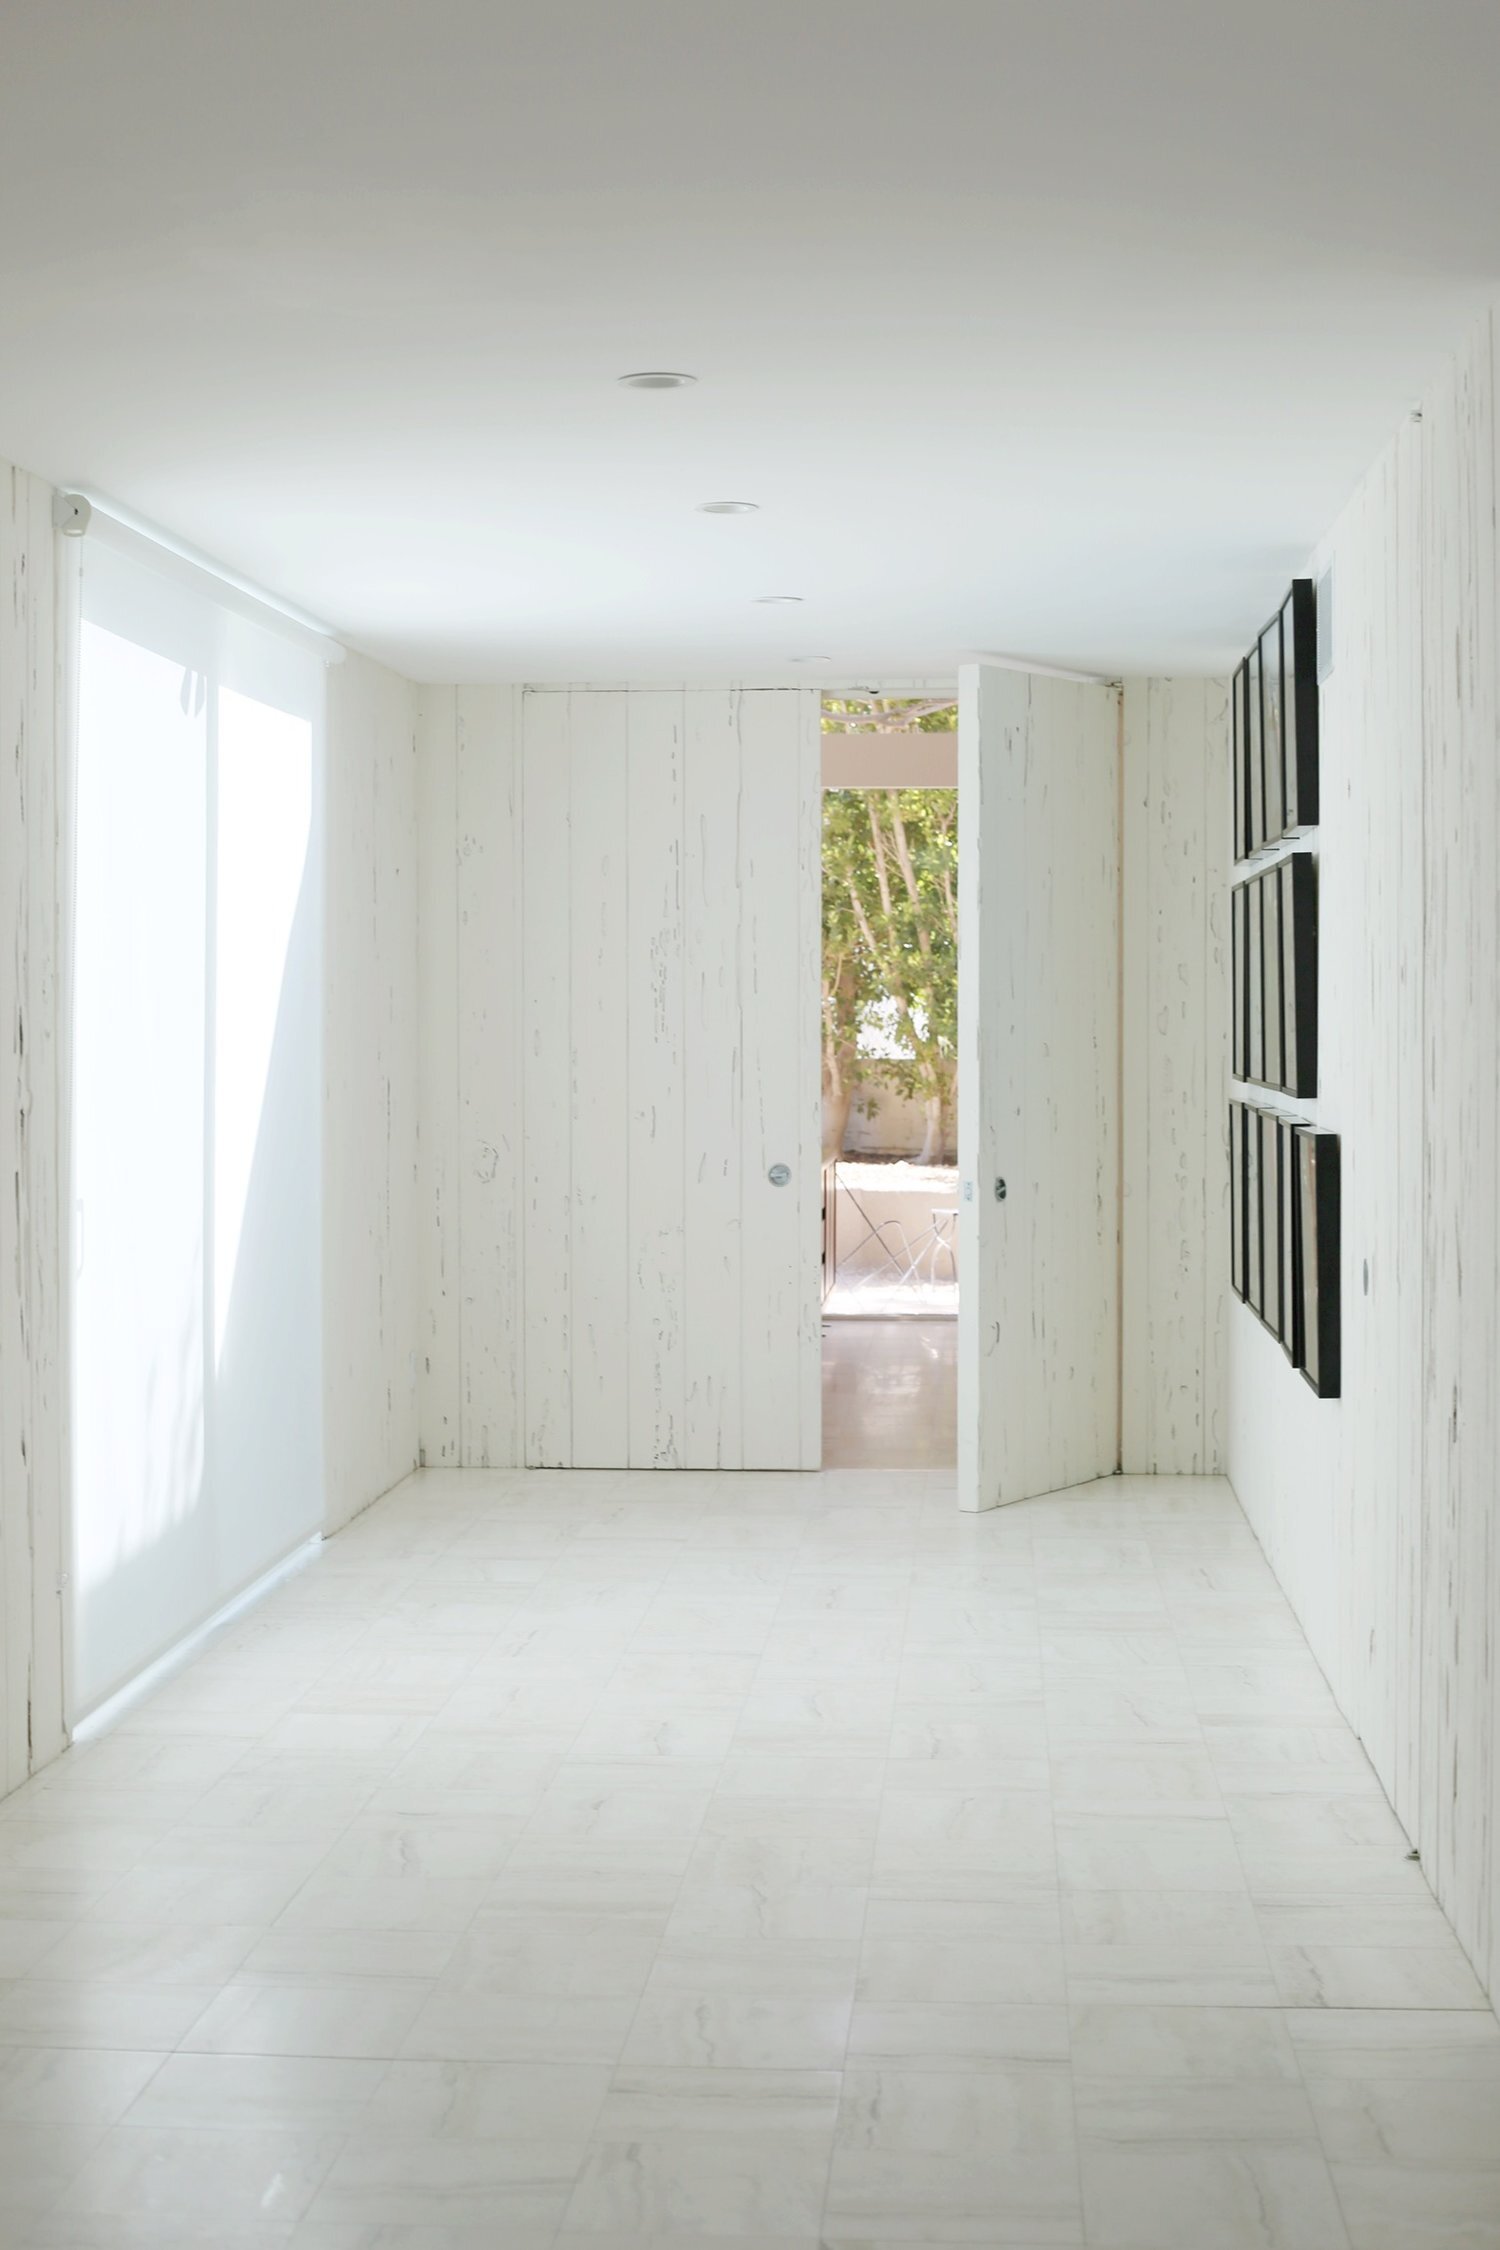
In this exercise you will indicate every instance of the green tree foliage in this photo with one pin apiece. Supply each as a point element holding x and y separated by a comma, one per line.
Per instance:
<point>890,942</point>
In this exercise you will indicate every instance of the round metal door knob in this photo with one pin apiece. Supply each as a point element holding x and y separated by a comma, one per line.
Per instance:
<point>779,1174</point>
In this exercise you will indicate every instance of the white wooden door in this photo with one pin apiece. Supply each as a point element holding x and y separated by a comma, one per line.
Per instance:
<point>1039,1049</point>
<point>671,929</point>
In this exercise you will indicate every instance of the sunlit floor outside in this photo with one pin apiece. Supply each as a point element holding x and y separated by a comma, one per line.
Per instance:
<point>894,1242</point>
<point>631,1860</point>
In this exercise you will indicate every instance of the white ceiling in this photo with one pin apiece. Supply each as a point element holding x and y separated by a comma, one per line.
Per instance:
<point>1036,327</point>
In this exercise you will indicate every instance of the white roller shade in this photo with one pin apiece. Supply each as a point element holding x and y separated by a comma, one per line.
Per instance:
<point>197,1076</point>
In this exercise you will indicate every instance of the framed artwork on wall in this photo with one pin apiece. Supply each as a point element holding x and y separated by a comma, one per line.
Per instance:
<point>1236,962</point>
<point>1291,1293</point>
<point>1270,925</point>
<point>1256,785</point>
<point>1237,1197</point>
<point>1255,1046</point>
<point>1270,729</point>
<point>1299,704</point>
<point>1299,973</point>
<point>1284,1175</point>
<point>1238,779</point>
<point>1318,1231</point>
<point>1238,922</point>
<point>1252,1212</point>
<point>1268,1128</point>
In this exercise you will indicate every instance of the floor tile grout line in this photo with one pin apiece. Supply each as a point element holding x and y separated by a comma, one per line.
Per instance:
<point>824,2220</point>
<point>1047,1729</point>
<point>618,2064</point>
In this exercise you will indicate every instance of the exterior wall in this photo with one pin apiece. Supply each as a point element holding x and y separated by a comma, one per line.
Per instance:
<point>1380,1512</point>
<point>33,1203</point>
<point>1175,1075</point>
<point>884,1123</point>
<point>370,1236</point>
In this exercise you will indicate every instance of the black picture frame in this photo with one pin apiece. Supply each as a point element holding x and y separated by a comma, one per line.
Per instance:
<point>1270,974</point>
<point>1237,1198</point>
<point>1291,1264</point>
<point>1239,773</point>
<point>1240,982</point>
<point>1299,974</point>
<point>1319,1223</point>
<point>1255,1045</point>
<point>1268,1127</point>
<point>1252,1212</point>
<point>1255,781</point>
<point>1299,702</point>
<point>1271,730</point>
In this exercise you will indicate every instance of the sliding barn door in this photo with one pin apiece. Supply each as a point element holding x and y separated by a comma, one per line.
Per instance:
<point>671,932</point>
<point>1038,1084</point>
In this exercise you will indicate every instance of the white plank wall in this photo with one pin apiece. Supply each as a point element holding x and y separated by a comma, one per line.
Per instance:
<point>1175,1070</point>
<point>440,1231</point>
<point>1461,1245</point>
<point>650,1036</point>
<point>628,913</point>
<point>547,1078</point>
<point>372,1257</point>
<point>486,1093</point>
<point>1379,1511</point>
<point>1038,1078</point>
<point>33,1228</point>
<point>778,897</point>
<point>604,1132</point>
<point>470,1116</point>
<point>713,1101</point>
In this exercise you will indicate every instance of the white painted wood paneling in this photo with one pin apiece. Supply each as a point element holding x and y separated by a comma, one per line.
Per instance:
<point>1175,1212</point>
<point>778,1233</point>
<point>601,1034</point>
<point>1039,991</point>
<point>439,1210</point>
<point>634,907</point>
<point>713,1101</point>
<point>1461,1071</point>
<point>655,1063</point>
<point>487,1088</point>
<point>470,1116</point>
<point>547,1116</point>
<point>1379,1511</point>
<point>33,1223</point>
<point>372,1252</point>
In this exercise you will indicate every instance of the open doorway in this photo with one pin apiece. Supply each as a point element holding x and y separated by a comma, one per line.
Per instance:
<point>889,1014</point>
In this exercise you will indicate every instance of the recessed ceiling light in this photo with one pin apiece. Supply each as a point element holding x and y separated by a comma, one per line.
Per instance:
<point>777,601</point>
<point>657,379</point>
<point>728,507</point>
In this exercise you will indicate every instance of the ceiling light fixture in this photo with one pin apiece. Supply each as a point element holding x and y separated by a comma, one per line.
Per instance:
<point>809,660</point>
<point>777,601</point>
<point>729,507</point>
<point>656,379</point>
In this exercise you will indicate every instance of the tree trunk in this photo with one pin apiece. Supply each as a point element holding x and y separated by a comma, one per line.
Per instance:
<point>933,1149</point>
<point>838,1101</point>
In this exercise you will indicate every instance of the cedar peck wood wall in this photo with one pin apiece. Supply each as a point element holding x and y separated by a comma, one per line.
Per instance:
<point>1380,1512</point>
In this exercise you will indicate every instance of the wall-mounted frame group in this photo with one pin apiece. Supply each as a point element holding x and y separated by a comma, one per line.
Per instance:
<point>1274,968</point>
<point>1284,1235</point>
<point>1274,707</point>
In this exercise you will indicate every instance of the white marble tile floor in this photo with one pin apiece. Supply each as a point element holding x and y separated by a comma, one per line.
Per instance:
<point>651,1862</point>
